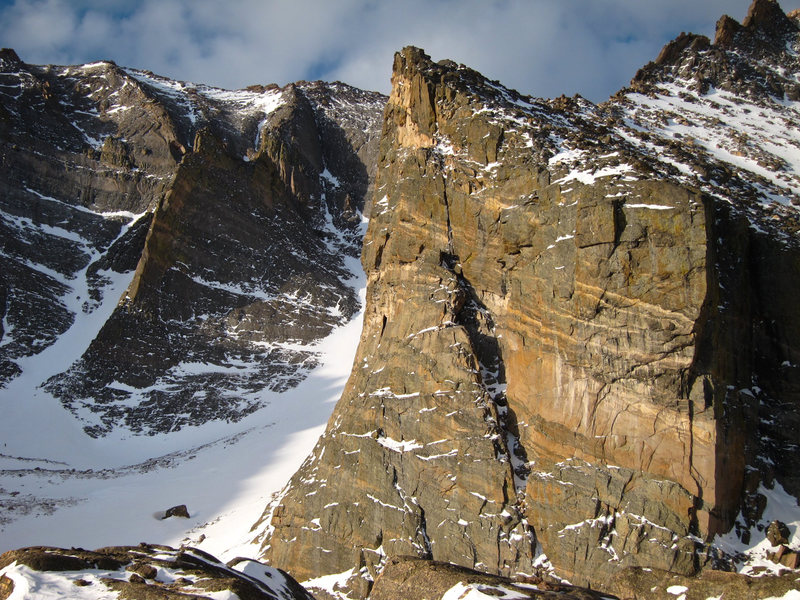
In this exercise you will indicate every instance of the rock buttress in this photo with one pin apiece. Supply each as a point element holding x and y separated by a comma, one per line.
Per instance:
<point>553,355</point>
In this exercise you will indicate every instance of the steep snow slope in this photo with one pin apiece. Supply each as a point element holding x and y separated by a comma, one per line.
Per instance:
<point>177,261</point>
<point>72,490</point>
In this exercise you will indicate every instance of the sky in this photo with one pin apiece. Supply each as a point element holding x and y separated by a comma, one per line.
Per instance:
<point>540,47</point>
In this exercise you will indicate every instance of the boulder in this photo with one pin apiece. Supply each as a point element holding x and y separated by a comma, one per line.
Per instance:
<point>785,556</point>
<point>778,533</point>
<point>6,587</point>
<point>177,511</point>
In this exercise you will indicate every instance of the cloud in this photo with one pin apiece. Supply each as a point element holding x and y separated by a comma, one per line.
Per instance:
<point>542,47</point>
<point>50,25</point>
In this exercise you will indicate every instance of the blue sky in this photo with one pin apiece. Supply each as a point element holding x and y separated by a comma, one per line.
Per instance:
<point>541,47</point>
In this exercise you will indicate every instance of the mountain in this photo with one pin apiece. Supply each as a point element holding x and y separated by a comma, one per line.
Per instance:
<point>580,349</point>
<point>179,287</point>
<point>579,356</point>
<point>173,249</point>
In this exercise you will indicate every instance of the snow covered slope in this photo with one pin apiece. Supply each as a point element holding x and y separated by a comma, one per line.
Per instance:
<point>73,490</point>
<point>180,295</point>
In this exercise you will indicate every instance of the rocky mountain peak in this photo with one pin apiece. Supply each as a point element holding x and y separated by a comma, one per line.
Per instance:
<point>9,57</point>
<point>410,102</point>
<point>768,17</point>
<point>674,49</point>
<point>765,26</point>
<point>215,211</point>
<point>753,59</point>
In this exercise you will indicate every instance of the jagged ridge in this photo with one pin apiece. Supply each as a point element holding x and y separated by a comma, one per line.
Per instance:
<point>229,217</point>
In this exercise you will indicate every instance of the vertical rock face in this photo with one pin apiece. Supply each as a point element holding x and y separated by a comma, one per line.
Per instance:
<point>227,215</point>
<point>571,338</point>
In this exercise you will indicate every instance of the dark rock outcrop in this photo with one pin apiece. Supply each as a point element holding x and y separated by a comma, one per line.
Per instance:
<point>570,342</point>
<point>62,205</point>
<point>778,533</point>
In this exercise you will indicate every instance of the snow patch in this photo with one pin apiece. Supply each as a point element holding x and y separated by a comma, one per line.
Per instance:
<point>78,500</point>
<point>476,591</point>
<point>650,206</point>
<point>399,446</point>
<point>781,506</point>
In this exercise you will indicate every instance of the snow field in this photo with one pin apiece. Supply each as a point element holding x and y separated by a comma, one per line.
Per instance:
<point>73,490</point>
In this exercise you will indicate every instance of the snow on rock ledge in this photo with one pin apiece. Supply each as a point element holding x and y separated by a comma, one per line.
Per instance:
<point>144,571</point>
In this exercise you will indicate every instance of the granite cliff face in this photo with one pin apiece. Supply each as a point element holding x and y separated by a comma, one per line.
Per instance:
<point>580,340</point>
<point>223,220</point>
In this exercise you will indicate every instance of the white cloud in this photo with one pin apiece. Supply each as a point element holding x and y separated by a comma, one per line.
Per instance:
<point>543,47</point>
<point>48,25</point>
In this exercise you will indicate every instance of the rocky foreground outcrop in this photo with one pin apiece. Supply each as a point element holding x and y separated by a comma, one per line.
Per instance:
<point>637,583</point>
<point>144,572</point>
<point>581,339</point>
<point>416,579</point>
